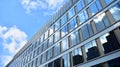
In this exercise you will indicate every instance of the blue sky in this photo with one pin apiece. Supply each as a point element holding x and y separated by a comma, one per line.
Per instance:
<point>19,21</point>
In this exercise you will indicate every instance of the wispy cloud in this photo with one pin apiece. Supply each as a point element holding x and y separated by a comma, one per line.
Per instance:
<point>47,5</point>
<point>13,40</point>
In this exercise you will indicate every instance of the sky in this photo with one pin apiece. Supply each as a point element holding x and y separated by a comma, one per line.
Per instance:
<point>19,21</point>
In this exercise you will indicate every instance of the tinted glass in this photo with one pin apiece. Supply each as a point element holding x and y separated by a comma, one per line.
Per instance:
<point>72,24</point>
<point>109,42</point>
<point>66,60</point>
<point>115,11</point>
<point>91,50</point>
<point>64,44</point>
<point>77,56</point>
<point>74,38</point>
<point>57,49</point>
<point>64,31</point>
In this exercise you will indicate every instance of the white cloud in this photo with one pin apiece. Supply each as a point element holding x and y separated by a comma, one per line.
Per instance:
<point>13,40</point>
<point>5,60</point>
<point>48,5</point>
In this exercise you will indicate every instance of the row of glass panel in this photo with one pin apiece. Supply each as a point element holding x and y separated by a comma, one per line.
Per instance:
<point>108,41</point>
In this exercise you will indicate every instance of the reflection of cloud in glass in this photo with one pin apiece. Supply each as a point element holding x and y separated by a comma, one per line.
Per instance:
<point>115,11</point>
<point>103,38</point>
<point>99,17</point>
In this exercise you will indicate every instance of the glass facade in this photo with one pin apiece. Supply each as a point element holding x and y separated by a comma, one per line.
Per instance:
<point>79,34</point>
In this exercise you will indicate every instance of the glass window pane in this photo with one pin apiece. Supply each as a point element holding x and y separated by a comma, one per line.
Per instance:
<point>57,63</point>
<point>77,56</point>
<point>89,1</point>
<point>49,54</point>
<point>57,25</point>
<point>46,35</point>
<point>101,21</point>
<point>39,60</point>
<point>96,5</point>
<point>91,50</point>
<point>74,38</point>
<point>83,16</point>
<point>45,45</point>
<point>108,1</point>
<point>44,57</point>
<point>50,41</point>
<point>42,38</point>
<point>115,11</point>
<point>73,24</point>
<point>57,49</point>
<point>80,5</point>
<point>86,31</point>
<point>57,36</point>
<point>66,60</point>
<point>51,30</point>
<point>50,64</point>
<point>64,31</point>
<point>71,13</point>
<point>109,42</point>
<point>64,44</point>
<point>63,20</point>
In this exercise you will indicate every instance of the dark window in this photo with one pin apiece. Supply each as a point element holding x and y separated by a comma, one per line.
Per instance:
<point>50,65</point>
<point>109,42</point>
<point>91,50</point>
<point>57,63</point>
<point>98,65</point>
<point>77,56</point>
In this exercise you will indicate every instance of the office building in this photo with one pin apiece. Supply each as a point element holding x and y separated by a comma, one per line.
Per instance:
<point>83,33</point>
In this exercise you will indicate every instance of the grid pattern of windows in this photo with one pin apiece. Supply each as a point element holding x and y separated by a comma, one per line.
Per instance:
<point>70,41</point>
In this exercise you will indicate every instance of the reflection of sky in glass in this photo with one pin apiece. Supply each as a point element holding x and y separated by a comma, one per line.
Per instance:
<point>74,38</point>
<point>64,44</point>
<point>115,11</point>
<point>71,13</point>
<point>64,31</point>
<point>73,24</point>
<point>89,45</point>
<point>108,1</point>
<point>66,59</point>
<point>77,51</point>
<point>57,49</point>
<point>51,30</point>
<point>57,25</point>
<point>83,16</point>
<point>63,20</point>
<point>57,36</point>
<point>46,34</point>
<point>103,38</point>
